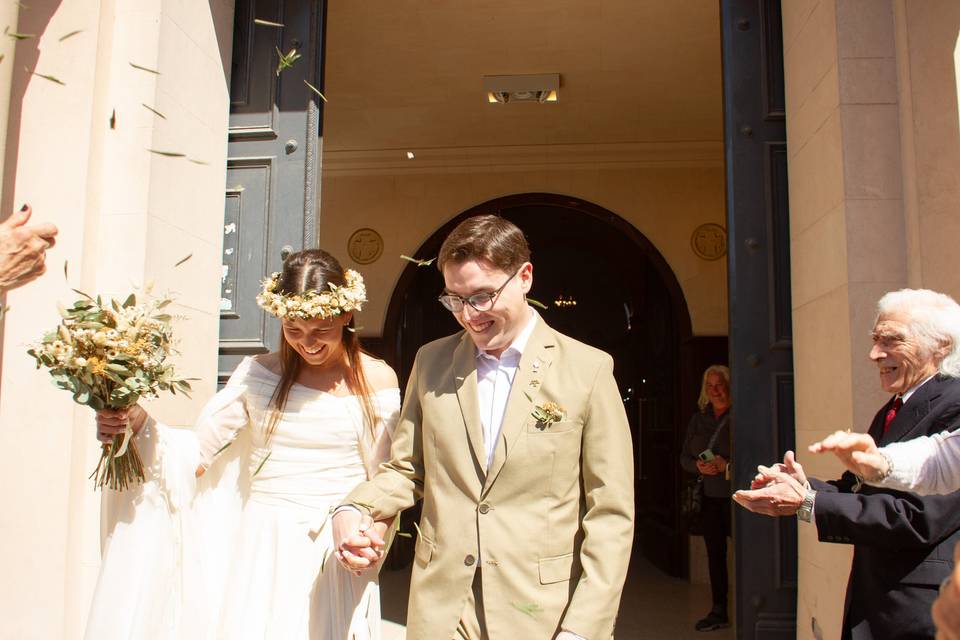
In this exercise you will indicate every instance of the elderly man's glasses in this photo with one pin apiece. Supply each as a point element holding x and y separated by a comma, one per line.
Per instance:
<point>480,301</point>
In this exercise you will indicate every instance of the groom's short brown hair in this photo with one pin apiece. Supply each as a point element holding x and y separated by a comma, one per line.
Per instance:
<point>486,237</point>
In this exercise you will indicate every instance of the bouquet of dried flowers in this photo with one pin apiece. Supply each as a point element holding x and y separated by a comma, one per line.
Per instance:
<point>108,355</point>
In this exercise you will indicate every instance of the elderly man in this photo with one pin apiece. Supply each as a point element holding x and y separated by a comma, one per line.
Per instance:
<point>902,542</point>
<point>23,249</point>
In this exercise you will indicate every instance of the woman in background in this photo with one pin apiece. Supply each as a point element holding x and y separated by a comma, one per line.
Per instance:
<point>706,451</point>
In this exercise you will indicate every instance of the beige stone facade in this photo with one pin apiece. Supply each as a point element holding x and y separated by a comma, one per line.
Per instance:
<point>125,216</point>
<point>874,155</point>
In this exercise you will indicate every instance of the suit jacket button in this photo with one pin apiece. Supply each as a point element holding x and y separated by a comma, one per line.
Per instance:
<point>484,508</point>
<point>469,560</point>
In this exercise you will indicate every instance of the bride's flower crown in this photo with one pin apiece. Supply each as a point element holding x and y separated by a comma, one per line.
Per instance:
<point>313,304</point>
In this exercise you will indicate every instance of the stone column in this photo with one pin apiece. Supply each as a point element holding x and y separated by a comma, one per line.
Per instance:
<point>871,131</point>
<point>79,153</point>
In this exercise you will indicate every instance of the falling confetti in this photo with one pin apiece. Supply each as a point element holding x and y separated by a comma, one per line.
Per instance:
<point>149,108</point>
<point>18,36</point>
<point>316,91</point>
<point>48,77</point>
<point>419,263</point>
<point>168,154</point>
<point>286,60</point>
<point>536,303</point>
<point>147,69</point>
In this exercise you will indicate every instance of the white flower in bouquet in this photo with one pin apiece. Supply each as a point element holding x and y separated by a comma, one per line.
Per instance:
<point>109,356</point>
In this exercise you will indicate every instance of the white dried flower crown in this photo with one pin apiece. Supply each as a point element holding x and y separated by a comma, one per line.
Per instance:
<point>313,304</point>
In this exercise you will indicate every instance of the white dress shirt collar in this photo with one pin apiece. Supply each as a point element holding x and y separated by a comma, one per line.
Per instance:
<point>495,378</point>
<point>515,350</point>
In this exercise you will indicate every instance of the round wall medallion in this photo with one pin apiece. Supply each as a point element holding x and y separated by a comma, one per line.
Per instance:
<point>365,246</point>
<point>709,241</point>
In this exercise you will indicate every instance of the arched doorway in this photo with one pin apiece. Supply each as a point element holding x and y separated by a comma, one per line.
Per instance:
<point>628,303</point>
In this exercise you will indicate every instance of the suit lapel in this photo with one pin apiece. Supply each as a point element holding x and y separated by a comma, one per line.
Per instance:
<point>465,374</point>
<point>913,411</point>
<point>534,364</point>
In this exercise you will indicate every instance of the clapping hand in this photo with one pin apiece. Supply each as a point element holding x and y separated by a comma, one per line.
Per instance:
<point>776,491</point>
<point>790,466</point>
<point>857,451</point>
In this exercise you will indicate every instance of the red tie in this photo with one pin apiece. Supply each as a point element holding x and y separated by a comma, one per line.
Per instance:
<point>891,414</point>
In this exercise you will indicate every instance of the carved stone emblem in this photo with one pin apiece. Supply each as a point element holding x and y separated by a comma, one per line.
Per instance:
<point>709,241</point>
<point>365,246</point>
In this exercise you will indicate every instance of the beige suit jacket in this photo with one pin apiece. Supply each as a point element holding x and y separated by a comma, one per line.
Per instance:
<point>550,524</point>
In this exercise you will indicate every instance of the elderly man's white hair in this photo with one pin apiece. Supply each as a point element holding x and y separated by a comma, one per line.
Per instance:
<point>933,317</point>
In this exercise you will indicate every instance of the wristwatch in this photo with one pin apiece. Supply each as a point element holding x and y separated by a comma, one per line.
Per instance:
<point>805,511</point>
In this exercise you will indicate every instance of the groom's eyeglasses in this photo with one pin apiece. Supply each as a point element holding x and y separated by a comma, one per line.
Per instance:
<point>479,301</point>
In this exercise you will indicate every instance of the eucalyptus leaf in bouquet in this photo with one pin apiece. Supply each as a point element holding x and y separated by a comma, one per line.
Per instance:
<point>109,354</point>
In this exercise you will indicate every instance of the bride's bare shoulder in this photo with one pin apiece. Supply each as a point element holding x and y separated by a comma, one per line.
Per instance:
<point>269,361</point>
<point>379,374</point>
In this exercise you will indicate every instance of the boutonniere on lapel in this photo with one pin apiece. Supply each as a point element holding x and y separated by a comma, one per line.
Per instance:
<point>548,413</point>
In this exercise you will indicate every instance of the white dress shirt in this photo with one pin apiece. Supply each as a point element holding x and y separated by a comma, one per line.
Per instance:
<point>494,380</point>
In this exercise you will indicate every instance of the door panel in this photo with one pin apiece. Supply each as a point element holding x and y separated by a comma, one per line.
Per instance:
<point>761,345</point>
<point>272,163</point>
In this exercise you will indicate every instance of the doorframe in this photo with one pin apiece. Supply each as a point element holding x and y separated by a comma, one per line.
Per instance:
<point>686,387</point>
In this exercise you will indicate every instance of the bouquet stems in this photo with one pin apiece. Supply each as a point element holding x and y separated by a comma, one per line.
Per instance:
<point>118,472</point>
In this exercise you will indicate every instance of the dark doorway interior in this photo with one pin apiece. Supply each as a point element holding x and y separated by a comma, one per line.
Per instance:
<point>628,303</point>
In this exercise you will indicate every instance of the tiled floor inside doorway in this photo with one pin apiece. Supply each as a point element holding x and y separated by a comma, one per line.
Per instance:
<point>654,606</point>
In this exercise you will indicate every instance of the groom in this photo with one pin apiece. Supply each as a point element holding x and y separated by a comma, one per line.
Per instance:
<point>516,438</point>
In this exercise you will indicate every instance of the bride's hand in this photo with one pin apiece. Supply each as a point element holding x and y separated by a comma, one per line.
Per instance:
<point>113,422</point>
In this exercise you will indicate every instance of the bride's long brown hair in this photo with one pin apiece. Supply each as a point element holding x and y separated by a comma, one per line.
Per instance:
<point>314,270</point>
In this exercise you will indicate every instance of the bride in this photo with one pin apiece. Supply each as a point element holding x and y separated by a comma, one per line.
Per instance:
<point>229,536</point>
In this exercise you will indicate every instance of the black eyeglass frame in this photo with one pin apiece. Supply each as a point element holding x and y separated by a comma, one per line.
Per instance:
<point>492,296</point>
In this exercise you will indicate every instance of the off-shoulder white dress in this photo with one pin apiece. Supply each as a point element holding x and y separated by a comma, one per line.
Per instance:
<point>245,552</point>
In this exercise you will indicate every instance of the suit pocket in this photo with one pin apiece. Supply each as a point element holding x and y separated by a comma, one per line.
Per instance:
<point>557,427</point>
<point>424,551</point>
<point>928,572</point>
<point>556,569</point>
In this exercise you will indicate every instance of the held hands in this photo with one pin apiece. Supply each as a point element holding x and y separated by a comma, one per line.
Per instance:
<point>715,467</point>
<point>113,422</point>
<point>23,249</point>
<point>359,540</point>
<point>857,451</point>
<point>776,491</point>
<point>946,608</point>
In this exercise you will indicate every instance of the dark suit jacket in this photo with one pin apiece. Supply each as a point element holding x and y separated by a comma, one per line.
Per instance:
<point>903,544</point>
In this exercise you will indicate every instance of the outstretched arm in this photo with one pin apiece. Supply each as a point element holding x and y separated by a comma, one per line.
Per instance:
<point>925,465</point>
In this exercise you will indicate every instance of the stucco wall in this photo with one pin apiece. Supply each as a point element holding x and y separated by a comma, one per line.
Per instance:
<point>406,206</point>
<point>125,216</point>
<point>874,154</point>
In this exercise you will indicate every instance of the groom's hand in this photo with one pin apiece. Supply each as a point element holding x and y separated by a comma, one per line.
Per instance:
<point>359,545</point>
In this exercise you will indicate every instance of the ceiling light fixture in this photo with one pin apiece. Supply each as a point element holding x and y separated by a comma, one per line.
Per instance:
<point>525,88</point>
<point>410,155</point>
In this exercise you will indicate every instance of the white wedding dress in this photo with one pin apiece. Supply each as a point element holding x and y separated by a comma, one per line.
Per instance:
<point>245,552</point>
